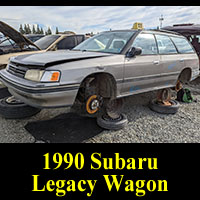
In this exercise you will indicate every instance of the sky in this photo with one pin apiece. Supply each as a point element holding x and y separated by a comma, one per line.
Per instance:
<point>83,19</point>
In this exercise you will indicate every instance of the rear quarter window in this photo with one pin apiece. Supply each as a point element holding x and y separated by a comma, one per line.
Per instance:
<point>182,45</point>
<point>80,38</point>
<point>67,43</point>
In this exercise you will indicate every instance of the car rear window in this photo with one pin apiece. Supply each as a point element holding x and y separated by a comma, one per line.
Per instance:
<point>80,38</point>
<point>182,45</point>
<point>46,41</point>
<point>67,43</point>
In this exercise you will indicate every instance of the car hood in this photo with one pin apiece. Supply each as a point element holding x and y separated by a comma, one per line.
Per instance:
<point>15,35</point>
<point>54,58</point>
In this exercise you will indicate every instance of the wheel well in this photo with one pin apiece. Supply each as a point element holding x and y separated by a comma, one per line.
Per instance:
<point>105,82</point>
<point>185,75</point>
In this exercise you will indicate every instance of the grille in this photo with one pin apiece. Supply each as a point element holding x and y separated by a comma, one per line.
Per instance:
<point>17,70</point>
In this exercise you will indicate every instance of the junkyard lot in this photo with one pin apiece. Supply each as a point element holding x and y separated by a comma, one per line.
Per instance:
<point>145,126</point>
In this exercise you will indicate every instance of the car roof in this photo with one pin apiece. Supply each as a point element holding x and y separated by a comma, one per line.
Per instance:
<point>153,31</point>
<point>34,35</point>
<point>163,32</point>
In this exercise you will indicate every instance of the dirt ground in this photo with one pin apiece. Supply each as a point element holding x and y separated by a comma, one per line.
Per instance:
<point>145,126</point>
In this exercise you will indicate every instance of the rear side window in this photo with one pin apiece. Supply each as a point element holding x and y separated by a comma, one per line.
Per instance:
<point>165,45</point>
<point>147,43</point>
<point>80,38</point>
<point>67,43</point>
<point>182,45</point>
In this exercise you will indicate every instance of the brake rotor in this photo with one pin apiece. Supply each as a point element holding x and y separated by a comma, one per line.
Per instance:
<point>113,108</point>
<point>93,104</point>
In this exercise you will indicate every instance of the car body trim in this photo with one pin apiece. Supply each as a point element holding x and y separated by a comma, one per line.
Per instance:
<point>42,89</point>
<point>141,78</point>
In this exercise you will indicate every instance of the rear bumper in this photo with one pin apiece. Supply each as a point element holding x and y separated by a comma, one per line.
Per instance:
<point>195,74</point>
<point>42,97</point>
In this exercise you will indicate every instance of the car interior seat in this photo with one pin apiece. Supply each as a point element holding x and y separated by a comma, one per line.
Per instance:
<point>118,45</point>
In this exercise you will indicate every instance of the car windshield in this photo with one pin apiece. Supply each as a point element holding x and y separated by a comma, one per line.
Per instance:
<point>46,41</point>
<point>6,42</point>
<point>108,42</point>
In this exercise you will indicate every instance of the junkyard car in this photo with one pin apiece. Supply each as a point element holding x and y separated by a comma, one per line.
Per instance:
<point>107,66</point>
<point>17,44</point>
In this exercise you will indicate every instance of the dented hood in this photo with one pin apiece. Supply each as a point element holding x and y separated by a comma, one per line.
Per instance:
<point>15,35</point>
<point>48,59</point>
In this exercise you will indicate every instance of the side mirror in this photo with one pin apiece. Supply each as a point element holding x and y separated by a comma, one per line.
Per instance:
<point>134,51</point>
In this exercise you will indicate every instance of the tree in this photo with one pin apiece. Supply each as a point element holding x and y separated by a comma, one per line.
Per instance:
<point>25,29</point>
<point>41,31</point>
<point>49,32</point>
<point>33,30</point>
<point>28,29</point>
<point>21,30</point>
<point>57,32</point>
<point>38,29</point>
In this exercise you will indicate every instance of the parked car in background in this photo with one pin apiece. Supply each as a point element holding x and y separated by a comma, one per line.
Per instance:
<point>34,37</point>
<point>17,44</point>
<point>1,36</point>
<point>108,66</point>
<point>8,45</point>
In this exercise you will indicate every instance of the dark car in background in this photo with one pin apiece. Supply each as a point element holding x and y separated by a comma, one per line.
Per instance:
<point>8,45</point>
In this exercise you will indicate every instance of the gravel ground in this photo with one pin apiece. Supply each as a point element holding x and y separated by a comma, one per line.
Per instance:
<point>145,126</point>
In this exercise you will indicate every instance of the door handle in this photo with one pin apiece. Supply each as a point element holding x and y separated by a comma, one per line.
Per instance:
<point>156,62</point>
<point>181,60</point>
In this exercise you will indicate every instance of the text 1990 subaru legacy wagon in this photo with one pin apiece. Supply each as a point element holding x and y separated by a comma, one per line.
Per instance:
<point>109,65</point>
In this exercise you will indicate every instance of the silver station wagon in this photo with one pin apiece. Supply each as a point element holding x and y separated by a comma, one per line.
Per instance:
<point>108,66</point>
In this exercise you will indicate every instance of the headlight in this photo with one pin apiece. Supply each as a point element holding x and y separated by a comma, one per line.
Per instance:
<point>34,75</point>
<point>42,76</point>
<point>51,76</point>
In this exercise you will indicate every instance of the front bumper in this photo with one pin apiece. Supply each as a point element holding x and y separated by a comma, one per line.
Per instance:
<point>39,95</point>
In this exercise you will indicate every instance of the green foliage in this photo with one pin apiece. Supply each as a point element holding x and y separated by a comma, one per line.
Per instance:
<point>21,30</point>
<point>57,32</point>
<point>33,30</point>
<point>26,29</point>
<point>48,32</point>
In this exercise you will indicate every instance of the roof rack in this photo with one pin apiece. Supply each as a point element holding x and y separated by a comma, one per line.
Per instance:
<point>183,25</point>
<point>164,31</point>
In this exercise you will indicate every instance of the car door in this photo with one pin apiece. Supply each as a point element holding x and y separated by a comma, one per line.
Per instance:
<point>171,62</point>
<point>141,72</point>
